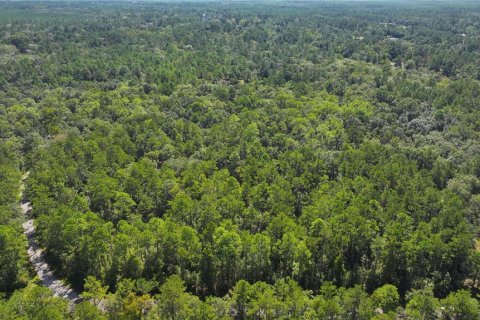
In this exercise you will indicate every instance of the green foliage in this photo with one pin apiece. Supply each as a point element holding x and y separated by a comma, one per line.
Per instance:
<point>93,291</point>
<point>13,258</point>
<point>386,298</point>
<point>86,311</point>
<point>460,305</point>
<point>14,272</point>
<point>423,305</point>
<point>248,161</point>
<point>174,302</point>
<point>34,302</point>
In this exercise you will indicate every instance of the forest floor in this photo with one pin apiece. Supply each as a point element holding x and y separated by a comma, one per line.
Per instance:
<point>37,258</point>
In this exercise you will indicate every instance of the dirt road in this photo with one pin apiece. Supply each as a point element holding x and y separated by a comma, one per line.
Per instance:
<point>43,270</point>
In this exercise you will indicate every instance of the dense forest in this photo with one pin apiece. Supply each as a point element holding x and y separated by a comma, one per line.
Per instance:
<point>242,160</point>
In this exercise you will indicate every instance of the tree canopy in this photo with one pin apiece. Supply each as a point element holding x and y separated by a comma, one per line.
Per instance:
<point>288,160</point>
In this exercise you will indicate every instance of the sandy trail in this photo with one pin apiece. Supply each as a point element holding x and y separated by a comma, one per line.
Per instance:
<point>37,258</point>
